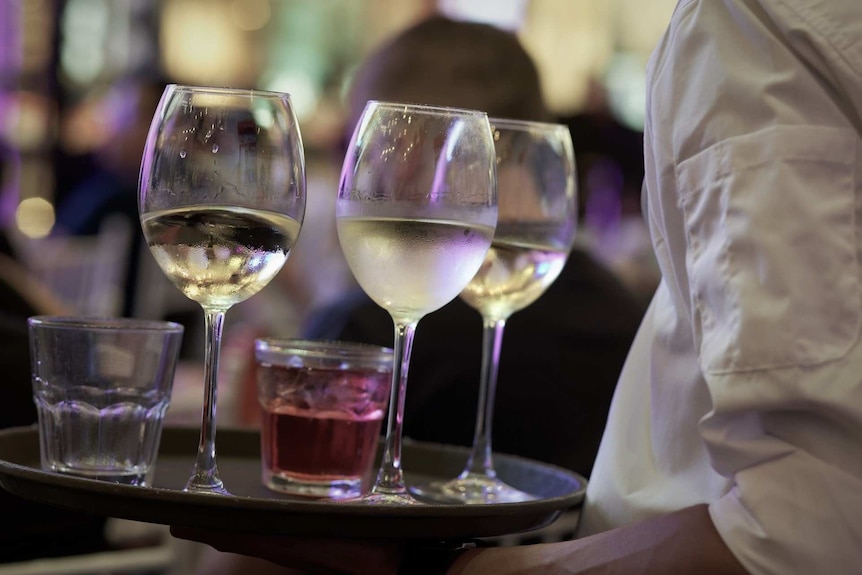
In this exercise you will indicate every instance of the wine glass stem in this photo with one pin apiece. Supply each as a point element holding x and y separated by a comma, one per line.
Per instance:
<point>480,461</point>
<point>390,478</point>
<point>205,476</point>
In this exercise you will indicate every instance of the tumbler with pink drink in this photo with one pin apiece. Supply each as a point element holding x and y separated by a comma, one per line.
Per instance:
<point>322,407</point>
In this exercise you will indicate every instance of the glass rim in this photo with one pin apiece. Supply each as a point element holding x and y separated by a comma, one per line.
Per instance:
<point>450,110</point>
<point>321,348</point>
<point>225,90</point>
<point>95,323</point>
<point>526,124</point>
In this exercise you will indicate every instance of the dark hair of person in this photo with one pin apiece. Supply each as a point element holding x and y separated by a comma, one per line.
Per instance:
<point>445,62</point>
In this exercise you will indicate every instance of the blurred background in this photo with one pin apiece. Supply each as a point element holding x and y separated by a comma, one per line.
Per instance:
<point>80,79</point>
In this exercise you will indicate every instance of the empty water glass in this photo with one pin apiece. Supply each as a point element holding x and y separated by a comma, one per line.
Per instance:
<point>101,388</point>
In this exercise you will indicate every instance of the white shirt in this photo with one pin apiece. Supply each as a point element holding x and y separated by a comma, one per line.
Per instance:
<point>743,388</point>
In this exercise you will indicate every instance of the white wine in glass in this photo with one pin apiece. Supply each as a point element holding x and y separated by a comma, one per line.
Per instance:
<point>535,232</point>
<point>416,212</point>
<point>221,198</point>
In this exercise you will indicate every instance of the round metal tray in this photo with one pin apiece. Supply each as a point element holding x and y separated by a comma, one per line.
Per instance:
<point>251,507</point>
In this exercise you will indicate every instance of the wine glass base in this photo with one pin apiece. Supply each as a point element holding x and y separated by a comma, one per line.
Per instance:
<point>206,489</point>
<point>470,489</point>
<point>380,498</point>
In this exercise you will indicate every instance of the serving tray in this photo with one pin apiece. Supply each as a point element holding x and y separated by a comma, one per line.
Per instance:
<point>251,507</point>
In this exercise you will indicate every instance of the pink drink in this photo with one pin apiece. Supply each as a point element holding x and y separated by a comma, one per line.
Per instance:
<point>320,427</point>
<point>334,447</point>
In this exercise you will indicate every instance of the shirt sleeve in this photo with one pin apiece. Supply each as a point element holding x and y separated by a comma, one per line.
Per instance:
<point>757,143</point>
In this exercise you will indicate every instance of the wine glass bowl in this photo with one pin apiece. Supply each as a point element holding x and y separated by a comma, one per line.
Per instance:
<point>415,215</point>
<point>537,220</point>
<point>221,198</point>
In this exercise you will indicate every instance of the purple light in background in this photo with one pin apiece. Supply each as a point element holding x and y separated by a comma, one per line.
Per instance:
<point>10,37</point>
<point>604,184</point>
<point>10,67</point>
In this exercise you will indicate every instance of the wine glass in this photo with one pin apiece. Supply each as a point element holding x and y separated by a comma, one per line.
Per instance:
<point>537,196</point>
<point>221,197</point>
<point>415,214</point>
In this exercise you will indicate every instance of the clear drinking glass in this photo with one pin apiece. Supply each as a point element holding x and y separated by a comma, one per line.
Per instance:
<point>416,212</point>
<point>537,194</point>
<point>101,388</point>
<point>221,199</point>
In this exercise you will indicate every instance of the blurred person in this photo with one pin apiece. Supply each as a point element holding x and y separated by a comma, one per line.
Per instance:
<point>733,441</point>
<point>551,405</point>
<point>586,311</point>
<point>610,163</point>
<point>124,113</point>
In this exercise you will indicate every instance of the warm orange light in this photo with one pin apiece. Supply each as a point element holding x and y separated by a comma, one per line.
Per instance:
<point>200,44</point>
<point>35,217</point>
